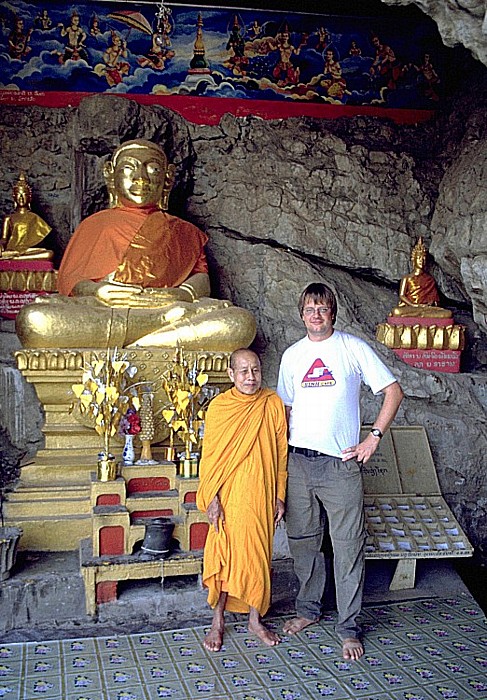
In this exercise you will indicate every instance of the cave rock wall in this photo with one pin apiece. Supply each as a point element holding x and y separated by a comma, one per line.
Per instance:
<point>287,202</point>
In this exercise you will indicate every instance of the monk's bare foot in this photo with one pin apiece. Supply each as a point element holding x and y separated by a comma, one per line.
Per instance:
<point>352,649</point>
<point>297,624</point>
<point>214,639</point>
<point>265,635</point>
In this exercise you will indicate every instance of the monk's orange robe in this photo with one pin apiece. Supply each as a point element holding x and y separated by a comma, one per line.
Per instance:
<point>244,462</point>
<point>142,245</point>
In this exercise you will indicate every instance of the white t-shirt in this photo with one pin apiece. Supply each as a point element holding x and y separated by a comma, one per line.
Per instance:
<point>321,381</point>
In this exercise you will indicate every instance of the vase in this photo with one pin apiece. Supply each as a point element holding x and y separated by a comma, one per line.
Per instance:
<point>9,541</point>
<point>168,454</point>
<point>158,537</point>
<point>188,468</point>
<point>106,467</point>
<point>128,454</point>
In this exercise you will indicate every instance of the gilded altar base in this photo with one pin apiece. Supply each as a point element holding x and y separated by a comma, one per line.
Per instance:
<point>52,500</point>
<point>427,343</point>
<point>21,281</point>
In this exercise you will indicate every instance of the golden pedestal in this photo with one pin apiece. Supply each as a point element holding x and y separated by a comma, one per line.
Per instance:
<point>427,343</point>
<point>21,281</point>
<point>52,501</point>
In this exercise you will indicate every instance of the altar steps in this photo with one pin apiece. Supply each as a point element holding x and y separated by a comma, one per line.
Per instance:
<point>58,500</point>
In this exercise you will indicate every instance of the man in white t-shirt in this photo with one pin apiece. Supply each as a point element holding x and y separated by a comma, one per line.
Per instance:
<point>319,382</point>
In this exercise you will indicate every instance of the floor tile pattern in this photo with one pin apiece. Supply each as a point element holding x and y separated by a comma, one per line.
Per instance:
<point>423,650</point>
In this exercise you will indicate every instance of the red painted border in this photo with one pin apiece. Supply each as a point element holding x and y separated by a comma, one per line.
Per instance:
<point>209,110</point>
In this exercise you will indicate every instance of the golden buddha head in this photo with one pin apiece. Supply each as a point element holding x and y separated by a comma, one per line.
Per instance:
<point>22,192</point>
<point>418,254</point>
<point>138,175</point>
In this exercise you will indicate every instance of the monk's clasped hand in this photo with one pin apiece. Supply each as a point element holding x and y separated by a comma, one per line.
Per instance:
<point>279,512</point>
<point>215,512</point>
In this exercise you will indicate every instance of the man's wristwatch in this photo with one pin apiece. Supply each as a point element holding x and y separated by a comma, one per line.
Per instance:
<point>377,433</point>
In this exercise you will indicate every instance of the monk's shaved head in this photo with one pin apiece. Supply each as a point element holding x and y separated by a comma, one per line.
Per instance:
<point>237,354</point>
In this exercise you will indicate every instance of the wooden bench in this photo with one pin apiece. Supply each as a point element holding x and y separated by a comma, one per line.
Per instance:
<point>101,575</point>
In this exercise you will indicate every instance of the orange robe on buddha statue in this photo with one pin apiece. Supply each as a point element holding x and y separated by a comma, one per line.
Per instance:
<point>143,245</point>
<point>421,289</point>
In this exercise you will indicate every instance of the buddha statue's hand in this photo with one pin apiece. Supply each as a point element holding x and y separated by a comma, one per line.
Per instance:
<point>115,294</point>
<point>165,294</point>
<point>156,298</point>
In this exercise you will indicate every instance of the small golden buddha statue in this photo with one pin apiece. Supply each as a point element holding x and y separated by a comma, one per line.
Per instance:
<point>418,294</point>
<point>23,230</point>
<point>133,275</point>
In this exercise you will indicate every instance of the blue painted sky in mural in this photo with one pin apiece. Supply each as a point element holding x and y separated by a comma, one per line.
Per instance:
<point>249,54</point>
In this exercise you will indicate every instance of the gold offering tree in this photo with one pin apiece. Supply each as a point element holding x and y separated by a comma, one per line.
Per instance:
<point>106,393</point>
<point>189,397</point>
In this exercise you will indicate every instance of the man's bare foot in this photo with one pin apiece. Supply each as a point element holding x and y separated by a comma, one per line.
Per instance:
<point>352,649</point>
<point>265,635</point>
<point>297,624</point>
<point>214,639</point>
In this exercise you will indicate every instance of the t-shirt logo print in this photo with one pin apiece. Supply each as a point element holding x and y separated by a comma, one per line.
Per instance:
<point>318,375</point>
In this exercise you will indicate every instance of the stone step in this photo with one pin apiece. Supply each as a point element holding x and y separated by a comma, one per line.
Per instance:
<point>57,415</point>
<point>52,533</point>
<point>88,452</point>
<point>38,493</point>
<point>69,436</point>
<point>76,471</point>
<point>57,506</point>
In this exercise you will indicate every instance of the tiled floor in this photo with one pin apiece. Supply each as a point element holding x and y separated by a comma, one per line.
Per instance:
<point>423,649</point>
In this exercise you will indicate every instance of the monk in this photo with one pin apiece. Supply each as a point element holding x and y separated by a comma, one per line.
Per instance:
<point>133,275</point>
<point>418,295</point>
<point>242,488</point>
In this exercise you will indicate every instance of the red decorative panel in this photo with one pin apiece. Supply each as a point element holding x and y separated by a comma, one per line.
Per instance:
<point>108,499</point>
<point>190,497</point>
<point>149,483</point>
<point>151,513</point>
<point>436,360</point>
<point>106,591</point>
<point>197,535</point>
<point>112,540</point>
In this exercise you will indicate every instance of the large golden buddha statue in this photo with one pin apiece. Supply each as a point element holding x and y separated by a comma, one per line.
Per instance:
<point>133,275</point>
<point>418,294</point>
<point>23,230</point>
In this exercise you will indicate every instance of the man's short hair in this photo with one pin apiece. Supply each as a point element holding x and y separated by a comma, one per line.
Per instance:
<point>318,292</point>
<point>236,353</point>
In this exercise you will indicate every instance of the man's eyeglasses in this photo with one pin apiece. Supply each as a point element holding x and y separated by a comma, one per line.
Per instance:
<point>320,310</point>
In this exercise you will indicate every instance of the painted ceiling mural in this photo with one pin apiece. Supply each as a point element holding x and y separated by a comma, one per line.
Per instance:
<point>140,49</point>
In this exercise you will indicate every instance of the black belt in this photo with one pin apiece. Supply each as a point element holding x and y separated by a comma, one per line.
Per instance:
<point>306,451</point>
